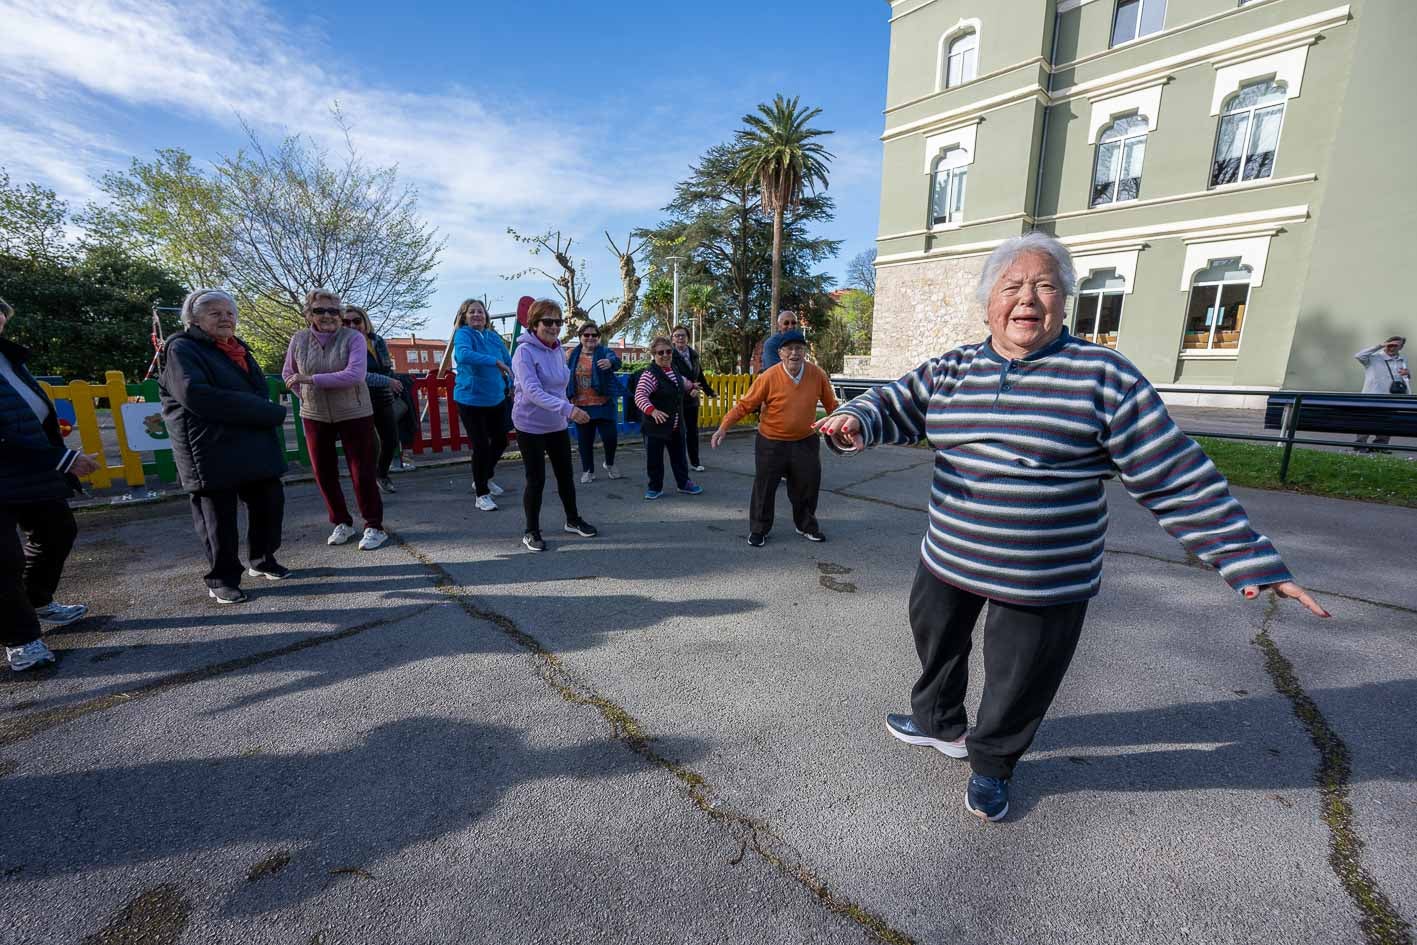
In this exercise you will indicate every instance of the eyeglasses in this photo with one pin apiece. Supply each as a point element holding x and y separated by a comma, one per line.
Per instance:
<point>789,321</point>
<point>590,334</point>
<point>662,354</point>
<point>553,322</point>
<point>324,311</point>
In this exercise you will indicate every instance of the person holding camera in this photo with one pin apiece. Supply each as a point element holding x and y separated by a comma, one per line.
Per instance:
<point>1385,371</point>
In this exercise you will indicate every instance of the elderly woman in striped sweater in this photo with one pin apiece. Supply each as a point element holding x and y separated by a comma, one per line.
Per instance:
<point>1026,426</point>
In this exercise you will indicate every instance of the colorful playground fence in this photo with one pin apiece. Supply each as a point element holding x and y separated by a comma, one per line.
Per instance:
<point>443,432</point>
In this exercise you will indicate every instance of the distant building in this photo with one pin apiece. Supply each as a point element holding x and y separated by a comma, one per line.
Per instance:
<point>416,354</point>
<point>1232,177</point>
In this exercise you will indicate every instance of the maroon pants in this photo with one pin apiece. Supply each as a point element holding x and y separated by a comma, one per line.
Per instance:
<point>360,453</point>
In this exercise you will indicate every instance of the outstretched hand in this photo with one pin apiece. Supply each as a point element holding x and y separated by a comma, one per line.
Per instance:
<point>717,439</point>
<point>1291,590</point>
<point>843,429</point>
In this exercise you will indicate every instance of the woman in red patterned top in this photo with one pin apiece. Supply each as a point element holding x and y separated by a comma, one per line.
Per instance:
<point>660,397</point>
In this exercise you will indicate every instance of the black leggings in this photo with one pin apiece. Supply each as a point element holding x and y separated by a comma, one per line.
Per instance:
<point>486,429</point>
<point>536,448</point>
<point>585,442</point>
<point>387,426</point>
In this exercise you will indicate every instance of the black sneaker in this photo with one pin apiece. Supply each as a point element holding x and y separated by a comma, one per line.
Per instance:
<point>386,485</point>
<point>226,595</point>
<point>271,572</point>
<point>757,539</point>
<point>533,541</point>
<point>581,527</point>
<point>812,536</point>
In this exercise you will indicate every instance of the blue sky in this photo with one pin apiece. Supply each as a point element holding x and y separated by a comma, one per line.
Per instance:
<point>577,115</point>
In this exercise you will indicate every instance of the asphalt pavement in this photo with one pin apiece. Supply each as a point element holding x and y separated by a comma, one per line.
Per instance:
<point>662,734</point>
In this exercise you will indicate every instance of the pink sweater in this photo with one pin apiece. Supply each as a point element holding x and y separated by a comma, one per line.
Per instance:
<point>353,373</point>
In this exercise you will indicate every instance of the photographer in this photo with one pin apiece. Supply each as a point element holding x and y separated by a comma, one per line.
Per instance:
<point>1385,371</point>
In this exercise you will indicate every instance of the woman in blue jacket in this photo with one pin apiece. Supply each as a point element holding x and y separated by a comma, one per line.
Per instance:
<point>484,369</point>
<point>593,388</point>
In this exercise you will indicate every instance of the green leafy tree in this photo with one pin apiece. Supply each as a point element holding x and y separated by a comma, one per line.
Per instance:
<point>777,151</point>
<point>31,221</point>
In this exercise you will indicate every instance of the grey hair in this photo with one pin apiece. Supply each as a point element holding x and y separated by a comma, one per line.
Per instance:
<point>200,297</point>
<point>1015,246</point>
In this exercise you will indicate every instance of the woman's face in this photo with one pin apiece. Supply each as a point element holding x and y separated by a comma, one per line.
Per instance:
<point>1025,310</point>
<point>476,317</point>
<point>217,318</point>
<point>324,314</point>
<point>590,338</point>
<point>356,321</point>
<point>663,356</point>
<point>548,329</point>
<point>681,339</point>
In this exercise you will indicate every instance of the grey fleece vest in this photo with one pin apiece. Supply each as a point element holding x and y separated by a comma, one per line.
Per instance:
<point>329,404</point>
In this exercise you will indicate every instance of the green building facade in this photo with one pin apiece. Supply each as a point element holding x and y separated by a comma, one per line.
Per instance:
<point>1231,177</point>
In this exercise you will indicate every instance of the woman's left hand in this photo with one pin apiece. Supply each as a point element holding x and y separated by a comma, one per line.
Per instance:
<point>1291,590</point>
<point>396,385</point>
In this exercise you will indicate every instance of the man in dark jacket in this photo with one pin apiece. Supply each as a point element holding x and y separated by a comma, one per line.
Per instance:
<point>226,441</point>
<point>37,475</point>
<point>687,365</point>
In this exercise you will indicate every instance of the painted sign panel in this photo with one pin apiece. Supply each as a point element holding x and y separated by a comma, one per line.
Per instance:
<point>144,428</point>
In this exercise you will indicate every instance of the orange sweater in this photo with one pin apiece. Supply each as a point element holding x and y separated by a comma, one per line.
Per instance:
<point>788,409</point>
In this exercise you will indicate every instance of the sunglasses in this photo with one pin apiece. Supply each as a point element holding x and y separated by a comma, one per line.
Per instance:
<point>352,321</point>
<point>324,311</point>
<point>553,322</point>
<point>662,354</point>
<point>590,334</point>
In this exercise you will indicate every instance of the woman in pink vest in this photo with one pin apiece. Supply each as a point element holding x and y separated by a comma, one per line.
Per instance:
<point>325,367</point>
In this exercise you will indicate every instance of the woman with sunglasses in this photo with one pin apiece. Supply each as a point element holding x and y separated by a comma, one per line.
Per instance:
<point>660,396</point>
<point>540,414</point>
<point>483,386</point>
<point>383,388</point>
<point>593,388</point>
<point>326,366</point>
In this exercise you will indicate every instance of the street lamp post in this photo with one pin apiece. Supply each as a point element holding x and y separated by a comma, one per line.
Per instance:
<point>675,320</point>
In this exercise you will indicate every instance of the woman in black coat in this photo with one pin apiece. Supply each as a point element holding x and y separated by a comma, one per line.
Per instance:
<point>37,475</point>
<point>226,441</point>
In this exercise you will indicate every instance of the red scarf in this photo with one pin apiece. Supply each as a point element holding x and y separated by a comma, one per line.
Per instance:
<point>234,350</point>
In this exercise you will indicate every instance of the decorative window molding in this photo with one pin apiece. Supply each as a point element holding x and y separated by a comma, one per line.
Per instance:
<point>1124,262</point>
<point>963,27</point>
<point>1252,251</point>
<point>1145,102</point>
<point>956,145</point>
<point>1285,69</point>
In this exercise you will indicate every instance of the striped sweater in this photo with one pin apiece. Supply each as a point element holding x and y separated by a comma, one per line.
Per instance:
<point>1017,509</point>
<point>648,385</point>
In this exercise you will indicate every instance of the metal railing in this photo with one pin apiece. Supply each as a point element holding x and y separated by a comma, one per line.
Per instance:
<point>1287,438</point>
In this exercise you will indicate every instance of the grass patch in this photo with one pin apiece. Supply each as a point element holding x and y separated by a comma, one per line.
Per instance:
<point>1366,477</point>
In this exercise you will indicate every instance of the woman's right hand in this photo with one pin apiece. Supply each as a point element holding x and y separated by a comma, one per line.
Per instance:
<point>579,416</point>
<point>505,368</point>
<point>843,429</point>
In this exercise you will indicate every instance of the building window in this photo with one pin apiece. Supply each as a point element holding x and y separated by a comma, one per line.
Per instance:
<point>1098,313</point>
<point>962,61</point>
<point>947,193</point>
<point>1137,18</point>
<point>1219,294</point>
<point>1120,150</point>
<point>1248,134</point>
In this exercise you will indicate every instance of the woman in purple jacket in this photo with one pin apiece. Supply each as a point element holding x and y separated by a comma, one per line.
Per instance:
<point>540,414</point>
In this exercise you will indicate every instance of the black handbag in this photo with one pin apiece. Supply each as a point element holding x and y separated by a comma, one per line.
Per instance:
<point>1398,385</point>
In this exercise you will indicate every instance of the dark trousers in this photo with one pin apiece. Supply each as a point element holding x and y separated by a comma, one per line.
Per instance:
<point>655,447</point>
<point>35,540</point>
<point>487,431</point>
<point>214,516</point>
<point>536,449</point>
<point>690,418</point>
<point>357,438</point>
<point>585,442</point>
<point>386,425</point>
<point>1026,653</point>
<point>801,462</point>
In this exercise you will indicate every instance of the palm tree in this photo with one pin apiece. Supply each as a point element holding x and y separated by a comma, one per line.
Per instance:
<point>776,151</point>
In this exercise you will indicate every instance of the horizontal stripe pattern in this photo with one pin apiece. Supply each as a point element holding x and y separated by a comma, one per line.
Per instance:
<point>1017,509</point>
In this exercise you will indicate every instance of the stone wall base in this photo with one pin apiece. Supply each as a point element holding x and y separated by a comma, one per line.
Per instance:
<point>923,310</point>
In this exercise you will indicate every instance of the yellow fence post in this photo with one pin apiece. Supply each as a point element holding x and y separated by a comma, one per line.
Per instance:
<point>131,462</point>
<point>82,395</point>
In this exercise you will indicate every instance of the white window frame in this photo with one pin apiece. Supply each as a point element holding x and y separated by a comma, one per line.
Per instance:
<point>947,39</point>
<point>957,182</point>
<point>968,67</point>
<point>1210,350</point>
<point>1251,112</point>
<point>1141,13</point>
<point>1122,299</point>
<point>1121,161</point>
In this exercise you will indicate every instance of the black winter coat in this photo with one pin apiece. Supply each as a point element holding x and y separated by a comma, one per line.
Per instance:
<point>33,459</point>
<point>224,427</point>
<point>693,369</point>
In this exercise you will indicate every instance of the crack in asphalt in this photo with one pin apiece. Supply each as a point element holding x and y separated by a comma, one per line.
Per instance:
<point>15,730</point>
<point>752,833</point>
<point>1377,917</point>
<point>887,472</point>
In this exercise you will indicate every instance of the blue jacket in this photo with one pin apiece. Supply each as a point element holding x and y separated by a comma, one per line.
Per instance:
<point>475,354</point>
<point>602,379</point>
<point>34,462</point>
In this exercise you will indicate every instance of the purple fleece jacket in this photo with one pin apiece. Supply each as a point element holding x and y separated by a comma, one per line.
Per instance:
<point>541,375</point>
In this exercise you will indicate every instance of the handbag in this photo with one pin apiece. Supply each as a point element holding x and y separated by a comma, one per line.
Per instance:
<point>1398,385</point>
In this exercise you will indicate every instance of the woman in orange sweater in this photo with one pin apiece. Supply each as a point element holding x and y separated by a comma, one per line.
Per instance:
<point>787,395</point>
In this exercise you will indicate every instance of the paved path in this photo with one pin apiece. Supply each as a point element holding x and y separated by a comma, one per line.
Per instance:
<point>663,734</point>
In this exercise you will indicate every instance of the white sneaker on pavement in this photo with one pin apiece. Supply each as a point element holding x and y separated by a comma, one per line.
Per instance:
<point>341,534</point>
<point>31,654</point>
<point>60,615</point>
<point>485,503</point>
<point>612,472</point>
<point>587,476</point>
<point>373,538</point>
<point>494,489</point>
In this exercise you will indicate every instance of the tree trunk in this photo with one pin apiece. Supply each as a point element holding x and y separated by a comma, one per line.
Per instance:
<point>776,268</point>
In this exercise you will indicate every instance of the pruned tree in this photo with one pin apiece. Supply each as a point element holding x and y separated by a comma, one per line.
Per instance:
<point>569,278</point>
<point>861,271</point>
<point>630,282</point>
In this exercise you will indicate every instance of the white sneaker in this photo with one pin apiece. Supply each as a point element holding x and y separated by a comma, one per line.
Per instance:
<point>588,476</point>
<point>494,489</point>
<point>31,654</point>
<point>611,471</point>
<point>697,468</point>
<point>60,615</point>
<point>341,534</point>
<point>373,538</point>
<point>485,503</point>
